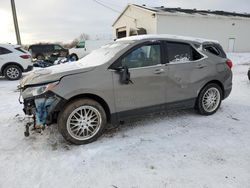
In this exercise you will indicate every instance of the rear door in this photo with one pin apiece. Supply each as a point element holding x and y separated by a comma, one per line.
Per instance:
<point>146,92</point>
<point>186,71</point>
<point>5,56</point>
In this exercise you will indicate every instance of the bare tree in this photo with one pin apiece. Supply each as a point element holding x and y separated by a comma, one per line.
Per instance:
<point>83,37</point>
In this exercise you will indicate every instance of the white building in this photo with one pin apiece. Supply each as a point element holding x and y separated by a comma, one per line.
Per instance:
<point>231,29</point>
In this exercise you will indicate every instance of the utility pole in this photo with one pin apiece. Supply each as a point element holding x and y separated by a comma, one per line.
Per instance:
<point>18,38</point>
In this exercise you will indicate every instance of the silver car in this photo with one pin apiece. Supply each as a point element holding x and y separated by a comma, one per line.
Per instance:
<point>125,79</point>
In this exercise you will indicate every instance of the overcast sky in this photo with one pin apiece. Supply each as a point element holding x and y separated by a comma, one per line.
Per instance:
<point>64,20</point>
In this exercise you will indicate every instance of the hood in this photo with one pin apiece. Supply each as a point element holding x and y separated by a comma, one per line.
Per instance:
<point>96,58</point>
<point>54,73</point>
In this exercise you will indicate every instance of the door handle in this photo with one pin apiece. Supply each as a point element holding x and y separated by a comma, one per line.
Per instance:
<point>159,71</point>
<point>200,66</point>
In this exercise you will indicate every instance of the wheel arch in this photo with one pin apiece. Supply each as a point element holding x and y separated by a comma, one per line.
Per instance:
<point>215,82</point>
<point>96,98</point>
<point>75,55</point>
<point>11,63</point>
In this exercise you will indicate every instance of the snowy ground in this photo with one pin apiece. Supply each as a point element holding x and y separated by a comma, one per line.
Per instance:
<point>178,149</point>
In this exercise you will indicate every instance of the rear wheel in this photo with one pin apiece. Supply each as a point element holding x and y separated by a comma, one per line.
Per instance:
<point>12,72</point>
<point>209,99</point>
<point>248,74</point>
<point>82,121</point>
<point>74,57</point>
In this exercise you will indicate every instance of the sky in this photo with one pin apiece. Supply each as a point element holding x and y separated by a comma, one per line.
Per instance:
<point>64,20</point>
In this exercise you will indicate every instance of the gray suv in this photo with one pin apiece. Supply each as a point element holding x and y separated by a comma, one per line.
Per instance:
<point>128,78</point>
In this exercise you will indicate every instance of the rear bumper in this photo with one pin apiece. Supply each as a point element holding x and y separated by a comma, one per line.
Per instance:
<point>29,68</point>
<point>227,92</point>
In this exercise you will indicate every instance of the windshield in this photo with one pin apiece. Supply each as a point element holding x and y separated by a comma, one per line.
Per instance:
<point>95,58</point>
<point>103,54</point>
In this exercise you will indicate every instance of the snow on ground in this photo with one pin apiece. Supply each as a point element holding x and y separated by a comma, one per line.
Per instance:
<point>177,149</point>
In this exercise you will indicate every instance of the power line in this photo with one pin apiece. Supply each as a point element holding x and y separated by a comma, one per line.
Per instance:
<point>110,8</point>
<point>111,4</point>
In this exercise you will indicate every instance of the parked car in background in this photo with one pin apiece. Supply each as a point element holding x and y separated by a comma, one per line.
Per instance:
<point>130,77</point>
<point>83,48</point>
<point>78,52</point>
<point>13,61</point>
<point>43,51</point>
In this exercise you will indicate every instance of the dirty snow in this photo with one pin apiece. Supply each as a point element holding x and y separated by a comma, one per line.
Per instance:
<point>177,149</point>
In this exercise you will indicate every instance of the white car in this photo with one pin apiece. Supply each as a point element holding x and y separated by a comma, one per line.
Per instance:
<point>78,52</point>
<point>83,48</point>
<point>14,60</point>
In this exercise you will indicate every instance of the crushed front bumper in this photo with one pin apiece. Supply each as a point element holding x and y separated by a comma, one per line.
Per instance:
<point>45,108</point>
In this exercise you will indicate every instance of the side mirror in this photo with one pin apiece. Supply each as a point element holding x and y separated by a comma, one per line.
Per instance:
<point>124,75</point>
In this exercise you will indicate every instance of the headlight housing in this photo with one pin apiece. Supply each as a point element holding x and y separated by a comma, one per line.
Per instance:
<point>38,90</point>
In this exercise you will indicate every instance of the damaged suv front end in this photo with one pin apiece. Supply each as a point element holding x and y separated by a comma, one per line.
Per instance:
<point>38,97</point>
<point>40,102</point>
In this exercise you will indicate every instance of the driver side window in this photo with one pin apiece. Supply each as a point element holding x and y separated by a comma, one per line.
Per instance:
<point>144,56</point>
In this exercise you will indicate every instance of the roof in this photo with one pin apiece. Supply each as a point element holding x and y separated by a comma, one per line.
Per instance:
<point>163,9</point>
<point>6,45</point>
<point>166,36</point>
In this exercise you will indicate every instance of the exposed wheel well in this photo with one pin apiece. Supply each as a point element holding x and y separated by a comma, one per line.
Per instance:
<point>215,82</point>
<point>96,98</point>
<point>10,63</point>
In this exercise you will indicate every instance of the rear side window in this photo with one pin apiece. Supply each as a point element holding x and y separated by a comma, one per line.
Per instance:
<point>215,49</point>
<point>20,50</point>
<point>48,48</point>
<point>42,48</point>
<point>181,52</point>
<point>34,48</point>
<point>4,51</point>
<point>212,50</point>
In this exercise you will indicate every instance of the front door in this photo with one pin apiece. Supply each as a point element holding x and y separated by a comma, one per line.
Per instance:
<point>146,92</point>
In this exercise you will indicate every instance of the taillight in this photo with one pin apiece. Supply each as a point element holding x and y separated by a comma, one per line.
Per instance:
<point>229,63</point>
<point>25,56</point>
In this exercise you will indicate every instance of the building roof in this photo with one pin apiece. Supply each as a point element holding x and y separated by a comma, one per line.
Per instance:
<point>163,9</point>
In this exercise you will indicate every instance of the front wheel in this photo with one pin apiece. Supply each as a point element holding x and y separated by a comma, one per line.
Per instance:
<point>209,99</point>
<point>82,121</point>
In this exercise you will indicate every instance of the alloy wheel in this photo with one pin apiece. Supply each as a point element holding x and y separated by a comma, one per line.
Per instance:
<point>84,122</point>
<point>12,72</point>
<point>211,99</point>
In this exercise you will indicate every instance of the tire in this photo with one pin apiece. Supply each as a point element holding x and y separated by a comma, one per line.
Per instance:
<point>211,95</point>
<point>40,57</point>
<point>74,57</point>
<point>13,72</point>
<point>248,74</point>
<point>74,121</point>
